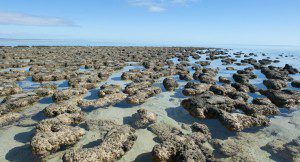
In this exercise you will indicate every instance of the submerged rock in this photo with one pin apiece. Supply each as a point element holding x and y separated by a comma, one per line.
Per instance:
<point>285,151</point>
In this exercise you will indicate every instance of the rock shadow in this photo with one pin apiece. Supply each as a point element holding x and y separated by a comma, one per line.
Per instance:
<point>20,154</point>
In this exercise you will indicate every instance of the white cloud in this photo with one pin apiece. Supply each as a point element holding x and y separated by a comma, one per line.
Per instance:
<point>14,18</point>
<point>158,5</point>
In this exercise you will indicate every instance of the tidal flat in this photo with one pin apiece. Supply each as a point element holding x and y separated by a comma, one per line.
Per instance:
<point>90,103</point>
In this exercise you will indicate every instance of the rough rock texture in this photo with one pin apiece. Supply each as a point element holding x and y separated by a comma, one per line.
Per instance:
<point>296,84</point>
<point>285,151</point>
<point>9,118</point>
<point>133,88</point>
<point>105,101</point>
<point>17,101</point>
<point>275,84</point>
<point>208,105</point>
<point>46,90</point>
<point>52,134</point>
<point>63,107</point>
<point>170,84</point>
<point>118,140</point>
<point>193,88</point>
<point>283,98</point>
<point>107,89</point>
<point>143,118</point>
<point>68,94</point>
<point>176,146</point>
<point>143,94</point>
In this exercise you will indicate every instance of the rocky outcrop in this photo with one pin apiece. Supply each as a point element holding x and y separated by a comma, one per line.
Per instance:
<point>108,89</point>
<point>9,118</point>
<point>118,140</point>
<point>275,84</point>
<point>52,134</point>
<point>143,94</point>
<point>143,118</point>
<point>176,146</point>
<point>283,98</point>
<point>68,94</point>
<point>105,101</point>
<point>170,84</point>
<point>193,88</point>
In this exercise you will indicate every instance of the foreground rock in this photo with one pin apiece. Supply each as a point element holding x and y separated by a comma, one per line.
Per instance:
<point>118,140</point>
<point>208,105</point>
<point>143,118</point>
<point>52,134</point>
<point>176,146</point>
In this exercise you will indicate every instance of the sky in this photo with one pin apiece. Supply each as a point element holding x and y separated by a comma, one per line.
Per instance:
<point>178,22</point>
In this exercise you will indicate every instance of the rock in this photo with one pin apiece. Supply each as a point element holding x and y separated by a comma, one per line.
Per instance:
<point>68,94</point>
<point>198,105</point>
<point>237,122</point>
<point>143,118</point>
<point>170,84</point>
<point>143,94</point>
<point>118,140</point>
<point>9,88</point>
<point>175,146</point>
<point>63,107</point>
<point>52,134</point>
<point>206,78</point>
<point>275,84</point>
<point>230,68</point>
<point>186,77</point>
<point>108,89</point>
<point>276,73</point>
<point>9,118</point>
<point>45,90</point>
<point>254,109</point>
<point>296,84</point>
<point>17,101</point>
<point>291,69</point>
<point>285,151</point>
<point>133,88</point>
<point>224,80</point>
<point>241,78</point>
<point>105,101</point>
<point>283,98</point>
<point>193,88</point>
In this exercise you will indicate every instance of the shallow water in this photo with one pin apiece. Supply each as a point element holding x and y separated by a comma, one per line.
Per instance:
<point>15,139</point>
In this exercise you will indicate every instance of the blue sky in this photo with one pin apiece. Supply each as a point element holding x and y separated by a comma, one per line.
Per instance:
<point>188,22</point>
